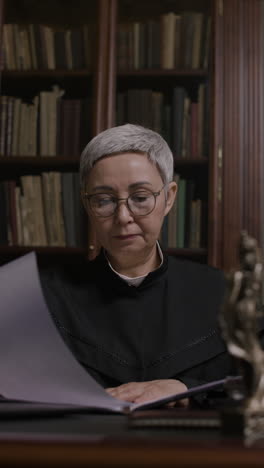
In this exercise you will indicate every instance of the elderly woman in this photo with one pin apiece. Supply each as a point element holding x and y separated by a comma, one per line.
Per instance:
<point>143,324</point>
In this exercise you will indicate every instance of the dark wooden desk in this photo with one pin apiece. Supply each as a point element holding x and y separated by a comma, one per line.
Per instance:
<point>106,440</point>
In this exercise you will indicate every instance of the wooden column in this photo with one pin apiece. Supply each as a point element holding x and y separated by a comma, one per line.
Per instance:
<point>105,75</point>
<point>262,133</point>
<point>2,11</point>
<point>241,125</point>
<point>215,247</point>
<point>253,148</point>
<point>104,83</point>
<point>101,72</point>
<point>111,80</point>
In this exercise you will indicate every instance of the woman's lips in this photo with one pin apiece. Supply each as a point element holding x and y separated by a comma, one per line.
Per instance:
<point>128,236</point>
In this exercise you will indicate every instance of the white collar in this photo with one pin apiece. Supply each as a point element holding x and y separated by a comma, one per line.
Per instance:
<point>136,281</point>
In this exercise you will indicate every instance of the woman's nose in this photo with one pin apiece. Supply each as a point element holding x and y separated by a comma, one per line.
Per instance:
<point>123,214</point>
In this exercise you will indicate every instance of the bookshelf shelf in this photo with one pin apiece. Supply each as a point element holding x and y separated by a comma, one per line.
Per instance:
<point>46,73</point>
<point>21,250</point>
<point>45,255</point>
<point>162,73</point>
<point>41,162</point>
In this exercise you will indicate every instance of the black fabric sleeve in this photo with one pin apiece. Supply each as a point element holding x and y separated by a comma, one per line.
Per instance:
<point>216,368</point>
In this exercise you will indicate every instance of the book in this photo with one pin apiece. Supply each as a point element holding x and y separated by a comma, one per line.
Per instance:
<point>3,123</point>
<point>16,126</point>
<point>198,20</point>
<point>53,209</point>
<point>33,206</point>
<point>177,44</point>
<point>9,46</point>
<point>43,123</point>
<point>185,137</point>
<point>11,188</point>
<point>20,238</point>
<point>190,191</point>
<point>136,45</point>
<point>87,45</point>
<point>179,94</point>
<point>9,122</point>
<point>68,203</point>
<point>32,47</point>
<point>3,214</point>
<point>181,213</point>
<point>35,363</point>
<point>60,49</point>
<point>200,119</point>
<point>172,220</point>
<point>168,40</point>
<point>77,48</point>
<point>80,216</point>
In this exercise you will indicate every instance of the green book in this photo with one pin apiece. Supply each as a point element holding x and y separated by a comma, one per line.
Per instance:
<point>181,213</point>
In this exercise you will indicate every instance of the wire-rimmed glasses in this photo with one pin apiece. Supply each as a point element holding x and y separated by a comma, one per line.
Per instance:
<point>140,203</point>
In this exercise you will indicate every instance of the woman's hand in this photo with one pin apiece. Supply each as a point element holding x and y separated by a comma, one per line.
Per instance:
<point>140,392</point>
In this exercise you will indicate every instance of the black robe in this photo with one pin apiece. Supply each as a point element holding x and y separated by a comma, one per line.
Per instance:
<point>165,328</point>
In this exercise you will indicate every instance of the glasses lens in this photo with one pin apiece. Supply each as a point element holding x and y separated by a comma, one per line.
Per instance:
<point>141,203</point>
<point>103,205</point>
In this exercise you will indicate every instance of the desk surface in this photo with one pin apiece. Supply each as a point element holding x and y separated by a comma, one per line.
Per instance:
<point>107,440</point>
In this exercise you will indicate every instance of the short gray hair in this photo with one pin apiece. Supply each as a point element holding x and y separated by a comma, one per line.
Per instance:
<point>125,139</point>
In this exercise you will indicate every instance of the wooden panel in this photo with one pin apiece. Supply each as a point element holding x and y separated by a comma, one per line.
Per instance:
<point>232,128</point>
<point>241,124</point>
<point>252,155</point>
<point>262,133</point>
<point>111,82</point>
<point>101,74</point>
<point>215,169</point>
<point>1,29</point>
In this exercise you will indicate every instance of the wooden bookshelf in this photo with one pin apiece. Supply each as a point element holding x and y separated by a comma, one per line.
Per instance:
<point>229,175</point>
<point>38,37</point>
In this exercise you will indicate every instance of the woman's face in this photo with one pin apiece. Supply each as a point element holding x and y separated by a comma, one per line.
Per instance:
<point>121,175</point>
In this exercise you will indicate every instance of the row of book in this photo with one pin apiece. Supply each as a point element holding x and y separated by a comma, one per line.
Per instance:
<point>49,125</point>
<point>52,125</point>
<point>183,227</point>
<point>38,46</point>
<point>171,41</point>
<point>184,123</point>
<point>42,210</point>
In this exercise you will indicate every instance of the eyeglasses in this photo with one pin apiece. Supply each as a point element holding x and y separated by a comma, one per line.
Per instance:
<point>139,203</point>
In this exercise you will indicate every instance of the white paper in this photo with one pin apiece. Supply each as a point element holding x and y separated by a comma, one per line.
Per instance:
<point>35,363</point>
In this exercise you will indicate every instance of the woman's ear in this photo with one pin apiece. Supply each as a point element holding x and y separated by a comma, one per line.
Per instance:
<point>171,195</point>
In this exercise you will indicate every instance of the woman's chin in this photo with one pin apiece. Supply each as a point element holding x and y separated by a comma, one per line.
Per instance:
<point>126,250</point>
<point>127,243</point>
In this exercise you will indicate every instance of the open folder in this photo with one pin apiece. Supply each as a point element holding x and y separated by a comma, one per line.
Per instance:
<point>35,363</point>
